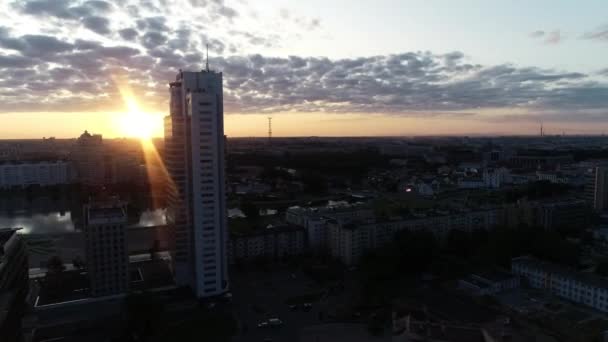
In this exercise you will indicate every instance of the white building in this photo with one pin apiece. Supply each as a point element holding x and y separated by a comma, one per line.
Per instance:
<point>271,243</point>
<point>314,221</point>
<point>582,288</point>
<point>44,173</point>
<point>106,247</point>
<point>494,178</point>
<point>195,143</point>
<point>350,239</point>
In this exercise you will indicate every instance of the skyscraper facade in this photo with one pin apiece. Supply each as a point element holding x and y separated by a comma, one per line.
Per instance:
<point>106,246</point>
<point>600,193</point>
<point>194,157</point>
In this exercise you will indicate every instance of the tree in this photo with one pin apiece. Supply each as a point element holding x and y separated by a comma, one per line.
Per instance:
<point>602,268</point>
<point>143,316</point>
<point>250,210</point>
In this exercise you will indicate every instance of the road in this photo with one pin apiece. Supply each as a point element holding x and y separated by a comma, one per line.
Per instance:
<point>258,296</point>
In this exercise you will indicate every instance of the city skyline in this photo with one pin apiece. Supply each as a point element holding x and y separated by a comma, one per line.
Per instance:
<point>467,69</point>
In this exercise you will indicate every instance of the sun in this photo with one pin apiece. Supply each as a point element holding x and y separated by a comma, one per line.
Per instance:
<point>137,125</point>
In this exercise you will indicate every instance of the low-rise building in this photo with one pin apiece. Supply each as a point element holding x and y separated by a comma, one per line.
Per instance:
<point>489,283</point>
<point>269,243</point>
<point>13,283</point>
<point>582,288</point>
<point>314,221</point>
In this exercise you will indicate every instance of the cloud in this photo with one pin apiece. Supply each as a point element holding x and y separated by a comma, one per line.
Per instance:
<point>128,34</point>
<point>553,37</point>
<point>217,8</point>
<point>54,8</point>
<point>15,61</point>
<point>308,24</point>
<point>600,34</point>
<point>97,24</point>
<point>550,38</point>
<point>537,34</point>
<point>72,72</point>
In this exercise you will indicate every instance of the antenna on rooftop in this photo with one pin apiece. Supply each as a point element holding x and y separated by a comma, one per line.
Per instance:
<point>269,129</point>
<point>207,61</point>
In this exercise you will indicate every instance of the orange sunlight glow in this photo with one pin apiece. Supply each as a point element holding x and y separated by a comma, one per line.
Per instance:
<point>138,124</point>
<point>134,123</point>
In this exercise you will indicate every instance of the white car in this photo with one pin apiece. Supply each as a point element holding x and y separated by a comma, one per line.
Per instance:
<point>275,322</point>
<point>263,324</point>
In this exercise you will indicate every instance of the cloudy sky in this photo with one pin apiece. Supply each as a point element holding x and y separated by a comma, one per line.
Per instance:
<point>338,67</point>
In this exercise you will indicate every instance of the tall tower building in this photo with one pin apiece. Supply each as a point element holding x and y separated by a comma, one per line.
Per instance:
<point>106,246</point>
<point>194,157</point>
<point>600,189</point>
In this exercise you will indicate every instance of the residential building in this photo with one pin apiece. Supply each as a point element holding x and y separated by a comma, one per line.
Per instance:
<point>494,178</point>
<point>314,221</point>
<point>582,288</point>
<point>271,243</point>
<point>194,157</point>
<point>489,283</point>
<point>40,173</point>
<point>564,214</point>
<point>106,246</point>
<point>349,239</point>
<point>555,177</point>
<point>13,283</point>
<point>88,159</point>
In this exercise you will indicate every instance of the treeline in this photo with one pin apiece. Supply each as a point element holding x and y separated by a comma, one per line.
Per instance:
<point>327,163</point>
<point>383,271</point>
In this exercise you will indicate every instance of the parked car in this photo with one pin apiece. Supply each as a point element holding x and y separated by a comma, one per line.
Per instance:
<point>275,322</point>
<point>263,324</point>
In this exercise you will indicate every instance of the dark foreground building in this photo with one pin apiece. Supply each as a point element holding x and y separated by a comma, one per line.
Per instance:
<point>13,284</point>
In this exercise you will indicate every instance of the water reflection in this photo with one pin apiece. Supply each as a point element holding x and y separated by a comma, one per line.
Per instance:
<point>49,212</point>
<point>40,223</point>
<point>149,218</point>
<point>57,222</point>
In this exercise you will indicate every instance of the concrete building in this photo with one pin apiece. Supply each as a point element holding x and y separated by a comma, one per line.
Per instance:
<point>13,284</point>
<point>40,173</point>
<point>106,249</point>
<point>88,159</point>
<point>314,221</point>
<point>194,156</point>
<point>564,214</point>
<point>582,288</point>
<point>489,283</point>
<point>494,178</point>
<point>600,188</point>
<point>271,243</point>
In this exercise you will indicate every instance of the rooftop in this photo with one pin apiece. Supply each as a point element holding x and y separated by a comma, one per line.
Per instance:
<point>495,275</point>
<point>586,278</point>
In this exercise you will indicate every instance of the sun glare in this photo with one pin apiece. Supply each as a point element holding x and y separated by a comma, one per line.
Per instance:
<point>137,124</point>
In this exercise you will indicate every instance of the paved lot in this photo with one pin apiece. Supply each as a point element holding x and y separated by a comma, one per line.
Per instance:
<point>258,296</point>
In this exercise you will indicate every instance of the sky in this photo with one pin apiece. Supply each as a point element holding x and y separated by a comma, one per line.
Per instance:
<point>318,68</point>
